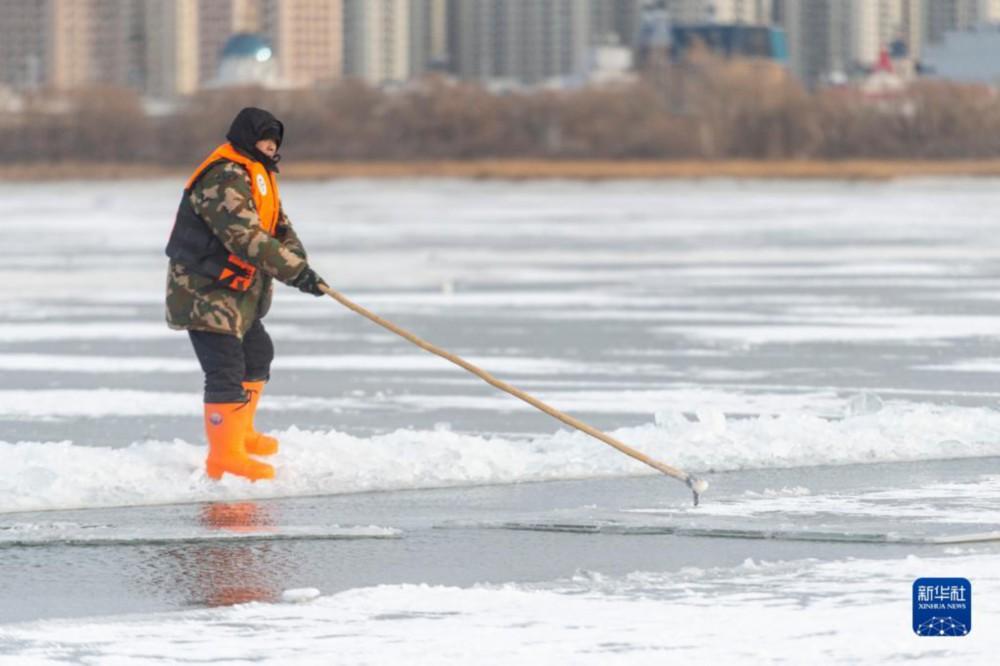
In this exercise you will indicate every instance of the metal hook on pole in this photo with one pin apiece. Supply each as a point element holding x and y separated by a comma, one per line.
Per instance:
<point>697,486</point>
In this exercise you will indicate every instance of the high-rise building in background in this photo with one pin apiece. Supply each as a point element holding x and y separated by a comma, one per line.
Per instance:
<point>946,15</point>
<point>154,45</point>
<point>115,42</point>
<point>24,31</point>
<point>172,54</point>
<point>377,46</point>
<point>831,40</point>
<point>911,28</point>
<point>308,39</point>
<point>876,25</point>
<point>754,12</point>
<point>70,45</point>
<point>519,41</point>
<point>817,33</point>
<point>90,42</point>
<point>989,11</point>
<point>429,48</point>
<point>615,20</point>
<point>67,44</point>
<point>654,37</point>
<point>688,11</point>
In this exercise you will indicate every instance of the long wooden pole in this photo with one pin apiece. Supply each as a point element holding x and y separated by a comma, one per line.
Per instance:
<point>697,486</point>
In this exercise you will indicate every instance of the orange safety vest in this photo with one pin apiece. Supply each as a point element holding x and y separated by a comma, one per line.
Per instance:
<point>265,199</point>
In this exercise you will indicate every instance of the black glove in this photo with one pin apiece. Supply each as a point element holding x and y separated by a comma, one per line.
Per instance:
<point>308,282</point>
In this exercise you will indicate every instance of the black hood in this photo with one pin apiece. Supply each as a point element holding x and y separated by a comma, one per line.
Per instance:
<point>250,126</point>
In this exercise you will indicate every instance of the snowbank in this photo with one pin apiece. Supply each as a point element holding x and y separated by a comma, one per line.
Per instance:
<point>60,475</point>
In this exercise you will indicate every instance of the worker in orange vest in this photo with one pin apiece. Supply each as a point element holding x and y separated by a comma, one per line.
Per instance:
<point>230,239</point>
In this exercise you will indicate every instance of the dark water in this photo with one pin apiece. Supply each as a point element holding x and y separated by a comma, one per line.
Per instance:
<point>225,553</point>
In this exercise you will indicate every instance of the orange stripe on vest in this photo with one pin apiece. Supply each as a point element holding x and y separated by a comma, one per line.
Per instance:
<point>265,200</point>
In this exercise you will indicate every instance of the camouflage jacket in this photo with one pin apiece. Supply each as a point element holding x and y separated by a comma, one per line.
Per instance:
<point>223,199</point>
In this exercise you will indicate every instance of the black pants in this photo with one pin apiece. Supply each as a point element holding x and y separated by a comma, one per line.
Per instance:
<point>228,361</point>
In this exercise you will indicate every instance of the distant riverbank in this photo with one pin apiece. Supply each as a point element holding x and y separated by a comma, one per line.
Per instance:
<point>544,169</point>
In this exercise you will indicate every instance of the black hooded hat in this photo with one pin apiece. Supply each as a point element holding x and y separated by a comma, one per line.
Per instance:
<point>250,126</point>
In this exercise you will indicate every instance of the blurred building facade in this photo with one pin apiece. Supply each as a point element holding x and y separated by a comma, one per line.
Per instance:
<point>943,16</point>
<point>171,38</point>
<point>615,20</point>
<point>832,40</point>
<point>520,42</point>
<point>755,12</point>
<point>429,46</point>
<point>23,44</point>
<point>307,38</point>
<point>377,45</point>
<point>169,48</point>
<point>67,44</point>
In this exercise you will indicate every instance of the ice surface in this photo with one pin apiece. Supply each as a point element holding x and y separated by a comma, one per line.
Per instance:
<point>841,611</point>
<point>714,325</point>
<point>76,534</point>
<point>894,328</point>
<point>975,503</point>
<point>99,403</point>
<point>103,402</point>
<point>122,330</point>
<point>395,362</point>
<point>937,512</point>
<point>985,365</point>
<point>299,595</point>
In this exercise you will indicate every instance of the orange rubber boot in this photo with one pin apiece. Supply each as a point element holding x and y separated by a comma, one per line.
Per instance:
<point>256,443</point>
<point>225,426</point>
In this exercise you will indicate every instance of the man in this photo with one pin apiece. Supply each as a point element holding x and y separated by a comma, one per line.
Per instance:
<point>230,239</point>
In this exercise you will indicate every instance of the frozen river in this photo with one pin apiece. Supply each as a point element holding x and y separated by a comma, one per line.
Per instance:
<point>825,353</point>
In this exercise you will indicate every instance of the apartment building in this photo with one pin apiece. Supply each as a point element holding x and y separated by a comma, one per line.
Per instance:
<point>520,41</point>
<point>308,39</point>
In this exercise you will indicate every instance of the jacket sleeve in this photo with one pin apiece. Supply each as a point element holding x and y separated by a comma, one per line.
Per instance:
<point>289,239</point>
<point>223,199</point>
